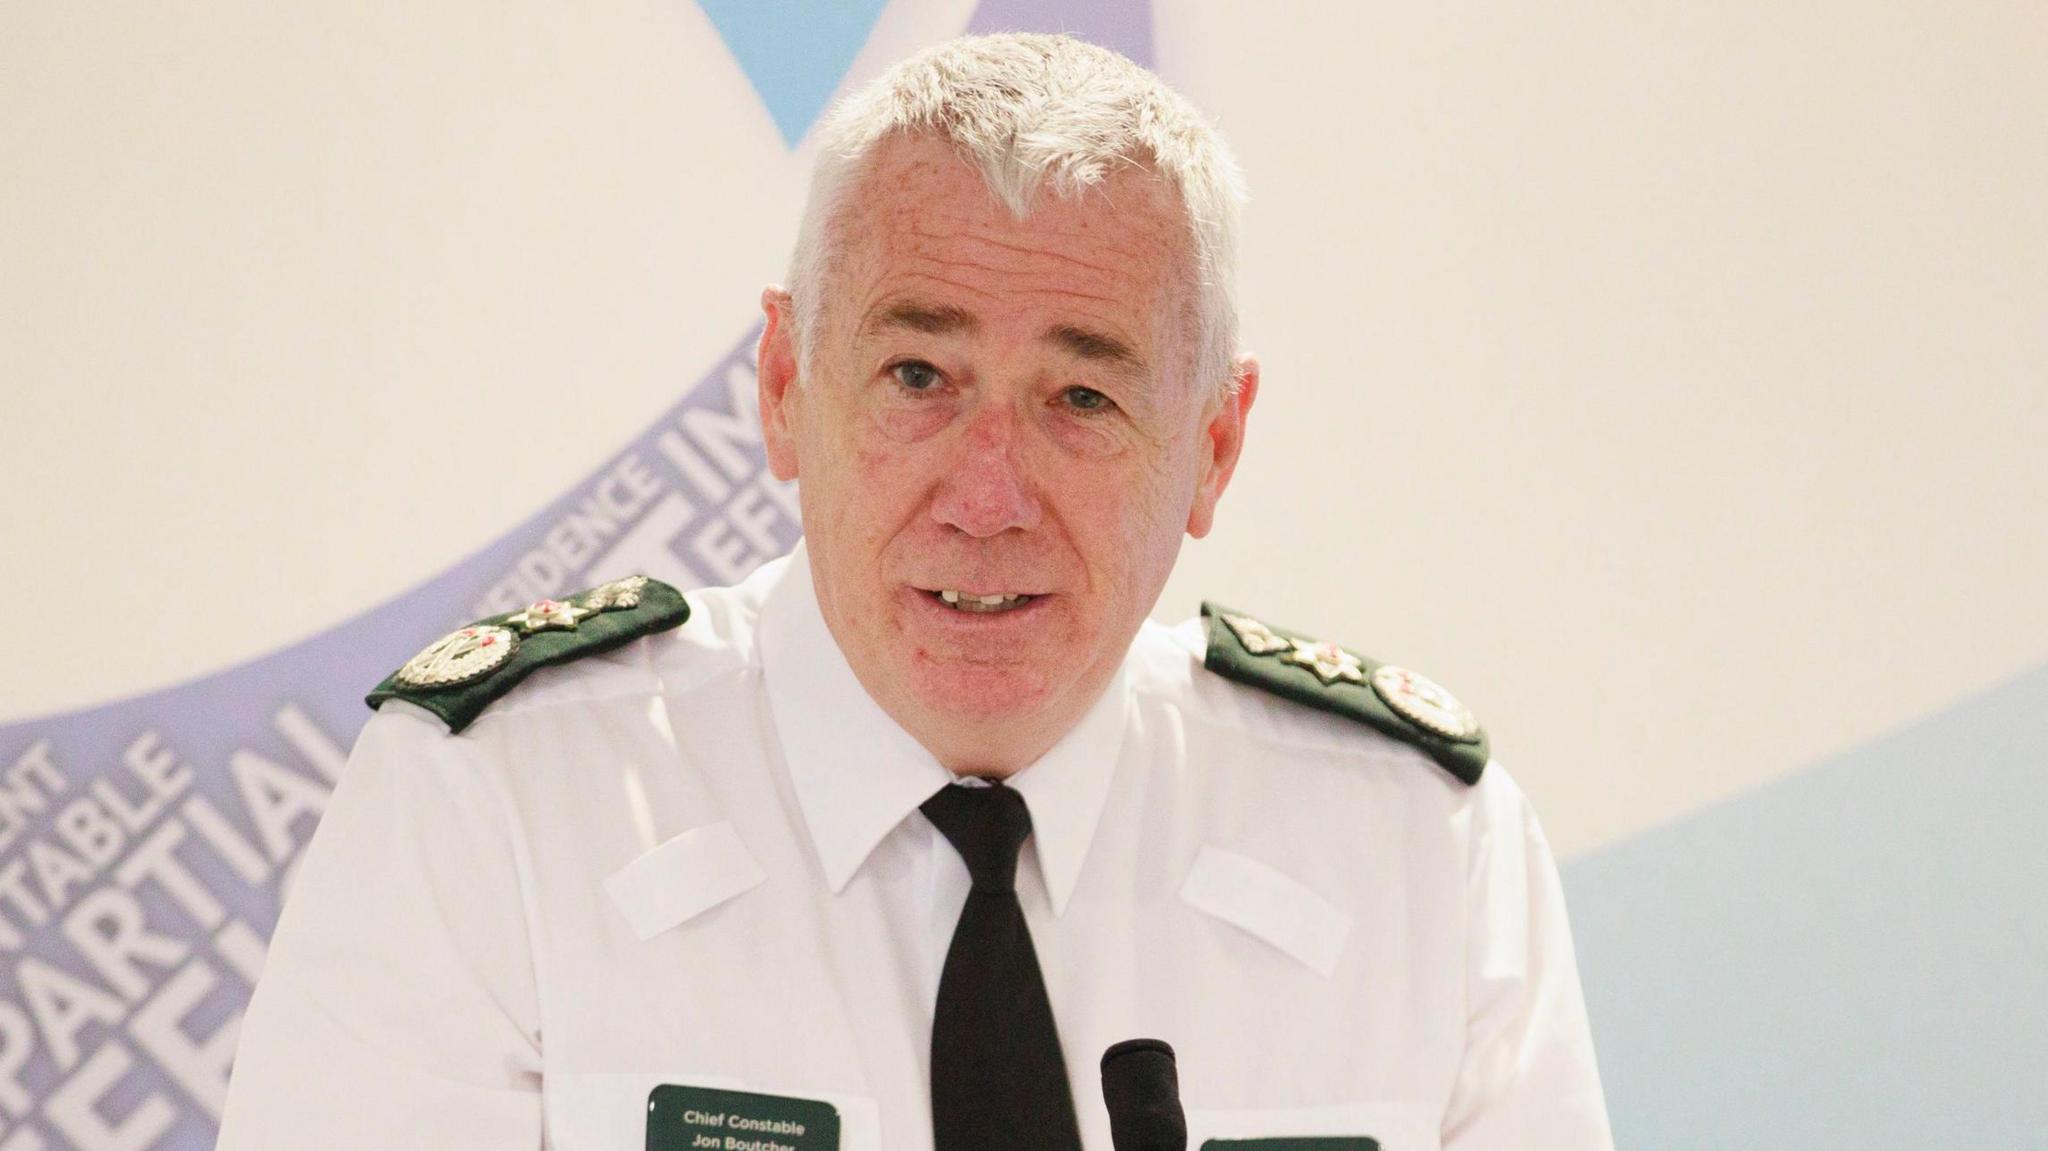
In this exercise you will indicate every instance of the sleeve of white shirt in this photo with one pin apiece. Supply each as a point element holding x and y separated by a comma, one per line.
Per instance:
<point>397,1007</point>
<point>1528,1081</point>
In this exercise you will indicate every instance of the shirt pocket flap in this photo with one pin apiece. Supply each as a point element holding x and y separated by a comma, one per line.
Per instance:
<point>1270,905</point>
<point>683,878</point>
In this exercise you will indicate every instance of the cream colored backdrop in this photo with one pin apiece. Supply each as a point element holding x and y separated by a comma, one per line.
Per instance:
<point>1668,381</point>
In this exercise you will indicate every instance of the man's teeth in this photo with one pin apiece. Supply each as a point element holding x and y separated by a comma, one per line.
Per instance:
<point>965,602</point>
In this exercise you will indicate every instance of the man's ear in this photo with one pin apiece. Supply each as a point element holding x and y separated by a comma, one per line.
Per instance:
<point>781,392</point>
<point>1222,443</point>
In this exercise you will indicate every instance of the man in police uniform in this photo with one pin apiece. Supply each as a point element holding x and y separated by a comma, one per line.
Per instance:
<point>748,869</point>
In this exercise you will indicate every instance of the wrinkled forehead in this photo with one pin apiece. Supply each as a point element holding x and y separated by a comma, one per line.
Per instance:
<point>916,211</point>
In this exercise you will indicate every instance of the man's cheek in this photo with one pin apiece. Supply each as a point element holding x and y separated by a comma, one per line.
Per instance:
<point>1150,520</point>
<point>883,489</point>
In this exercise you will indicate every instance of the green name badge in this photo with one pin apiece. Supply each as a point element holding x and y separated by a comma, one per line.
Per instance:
<point>1297,1143</point>
<point>707,1119</point>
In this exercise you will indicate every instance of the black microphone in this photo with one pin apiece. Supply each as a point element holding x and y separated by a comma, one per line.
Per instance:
<point>1142,1091</point>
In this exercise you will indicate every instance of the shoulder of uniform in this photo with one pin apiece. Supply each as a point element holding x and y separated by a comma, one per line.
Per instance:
<point>459,675</point>
<point>1316,673</point>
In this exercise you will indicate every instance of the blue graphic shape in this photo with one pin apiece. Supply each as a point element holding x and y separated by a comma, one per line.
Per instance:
<point>1856,956</point>
<point>794,52</point>
<point>1122,25</point>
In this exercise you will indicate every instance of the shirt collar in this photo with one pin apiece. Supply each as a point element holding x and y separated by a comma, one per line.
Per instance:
<point>857,774</point>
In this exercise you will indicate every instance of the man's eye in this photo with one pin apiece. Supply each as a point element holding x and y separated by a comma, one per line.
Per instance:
<point>1085,399</point>
<point>916,375</point>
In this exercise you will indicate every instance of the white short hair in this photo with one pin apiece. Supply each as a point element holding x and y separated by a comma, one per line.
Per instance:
<point>1031,111</point>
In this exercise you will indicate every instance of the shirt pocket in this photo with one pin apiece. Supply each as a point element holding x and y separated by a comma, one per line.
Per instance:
<point>683,878</point>
<point>1395,1126</point>
<point>608,1112</point>
<point>1268,904</point>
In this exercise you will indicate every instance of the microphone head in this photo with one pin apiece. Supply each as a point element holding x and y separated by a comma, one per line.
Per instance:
<point>1141,1088</point>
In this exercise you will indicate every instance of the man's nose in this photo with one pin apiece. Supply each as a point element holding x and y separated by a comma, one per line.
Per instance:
<point>989,489</point>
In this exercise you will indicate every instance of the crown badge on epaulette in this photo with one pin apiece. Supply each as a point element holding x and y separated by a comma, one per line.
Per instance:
<point>620,593</point>
<point>1256,637</point>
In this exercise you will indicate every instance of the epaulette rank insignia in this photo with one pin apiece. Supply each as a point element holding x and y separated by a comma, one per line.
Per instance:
<point>459,675</point>
<point>1321,675</point>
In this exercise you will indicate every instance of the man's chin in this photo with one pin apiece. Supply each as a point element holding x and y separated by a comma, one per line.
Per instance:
<point>982,693</point>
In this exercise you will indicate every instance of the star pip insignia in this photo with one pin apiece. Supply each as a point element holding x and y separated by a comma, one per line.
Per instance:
<point>1330,662</point>
<point>547,614</point>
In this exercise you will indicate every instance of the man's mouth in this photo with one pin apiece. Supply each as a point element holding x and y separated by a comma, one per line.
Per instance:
<point>981,604</point>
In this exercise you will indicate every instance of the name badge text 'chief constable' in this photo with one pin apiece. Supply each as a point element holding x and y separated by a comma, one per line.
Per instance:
<point>881,848</point>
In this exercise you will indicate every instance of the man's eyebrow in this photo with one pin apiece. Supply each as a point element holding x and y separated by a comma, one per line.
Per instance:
<point>931,319</point>
<point>1096,346</point>
<point>946,319</point>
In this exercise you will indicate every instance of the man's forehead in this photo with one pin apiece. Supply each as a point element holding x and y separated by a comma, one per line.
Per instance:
<point>1134,200</point>
<point>926,246</point>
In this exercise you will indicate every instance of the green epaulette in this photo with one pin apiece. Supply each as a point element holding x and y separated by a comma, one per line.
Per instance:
<point>1389,699</point>
<point>463,672</point>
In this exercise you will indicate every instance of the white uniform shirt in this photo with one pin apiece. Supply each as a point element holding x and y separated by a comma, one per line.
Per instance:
<point>699,859</point>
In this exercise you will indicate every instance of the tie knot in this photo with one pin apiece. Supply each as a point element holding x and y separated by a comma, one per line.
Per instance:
<point>987,826</point>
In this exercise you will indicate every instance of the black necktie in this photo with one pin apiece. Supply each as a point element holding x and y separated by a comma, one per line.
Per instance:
<point>998,1080</point>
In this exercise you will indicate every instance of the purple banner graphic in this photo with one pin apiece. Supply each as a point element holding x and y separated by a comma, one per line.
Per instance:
<point>146,845</point>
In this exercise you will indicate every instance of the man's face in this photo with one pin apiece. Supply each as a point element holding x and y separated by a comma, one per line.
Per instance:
<point>997,408</point>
